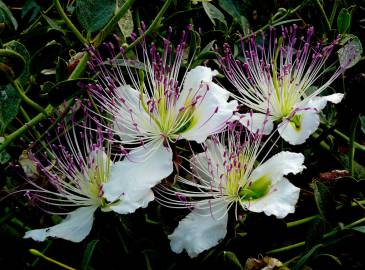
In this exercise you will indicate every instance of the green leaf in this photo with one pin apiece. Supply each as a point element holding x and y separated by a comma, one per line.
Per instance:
<point>12,65</point>
<point>214,13</point>
<point>4,157</point>
<point>9,105</point>
<point>232,259</point>
<point>125,24</point>
<point>9,98</point>
<point>343,21</point>
<point>324,201</point>
<point>93,15</point>
<point>19,48</point>
<point>44,56</point>
<point>359,229</point>
<point>304,259</point>
<point>350,54</point>
<point>30,7</point>
<point>54,25</point>
<point>330,256</point>
<point>236,9</point>
<point>7,17</point>
<point>88,254</point>
<point>208,47</point>
<point>245,25</point>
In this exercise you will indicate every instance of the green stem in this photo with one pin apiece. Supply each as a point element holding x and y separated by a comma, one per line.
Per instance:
<point>49,243</point>
<point>310,218</point>
<point>22,129</point>
<point>273,22</point>
<point>351,153</point>
<point>27,118</point>
<point>300,244</point>
<point>333,13</point>
<point>152,27</point>
<point>78,71</point>
<point>40,254</point>
<point>80,68</point>
<point>26,99</point>
<point>323,144</point>
<point>35,131</point>
<point>112,23</point>
<point>324,14</point>
<point>343,136</point>
<point>69,23</point>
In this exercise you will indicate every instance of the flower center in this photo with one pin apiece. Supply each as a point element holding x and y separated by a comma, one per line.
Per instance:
<point>295,121</point>
<point>171,121</point>
<point>256,189</point>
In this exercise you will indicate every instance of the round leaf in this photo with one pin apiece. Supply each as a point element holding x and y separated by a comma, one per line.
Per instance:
<point>343,21</point>
<point>93,15</point>
<point>12,65</point>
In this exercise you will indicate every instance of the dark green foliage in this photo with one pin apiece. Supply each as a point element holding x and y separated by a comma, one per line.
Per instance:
<point>46,57</point>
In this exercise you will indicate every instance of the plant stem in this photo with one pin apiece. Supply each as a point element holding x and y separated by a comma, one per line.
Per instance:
<point>80,68</point>
<point>310,218</point>
<point>39,254</point>
<point>27,118</point>
<point>78,71</point>
<point>26,99</point>
<point>323,144</point>
<point>343,136</point>
<point>151,28</point>
<point>353,126</point>
<point>35,262</point>
<point>333,13</point>
<point>273,22</point>
<point>324,14</point>
<point>113,21</point>
<point>300,244</point>
<point>69,23</point>
<point>21,130</point>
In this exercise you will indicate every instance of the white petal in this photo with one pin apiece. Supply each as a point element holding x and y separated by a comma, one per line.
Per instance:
<point>193,84</point>
<point>75,227</point>
<point>130,117</point>
<point>318,103</point>
<point>200,230</point>
<point>131,179</point>
<point>211,114</point>
<point>335,98</point>
<point>309,123</point>
<point>208,166</point>
<point>280,201</point>
<point>279,165</point>
<point>282,196</point>
<point>257,122</point>
<point>195,77</point>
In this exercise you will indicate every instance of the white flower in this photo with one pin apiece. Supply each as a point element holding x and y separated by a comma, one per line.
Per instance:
<point>151,108</point>
<point>78,168</point>
<point>275,80</point>
<point>224,176</point>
